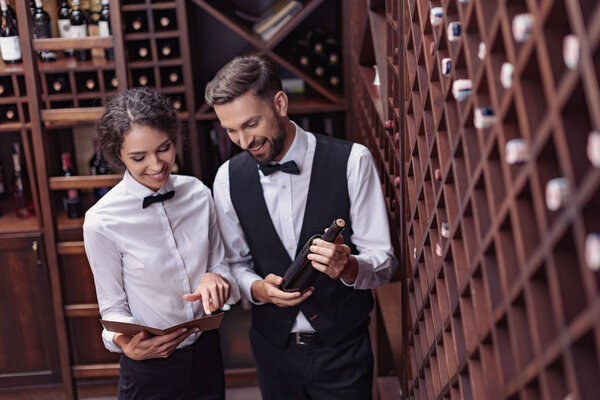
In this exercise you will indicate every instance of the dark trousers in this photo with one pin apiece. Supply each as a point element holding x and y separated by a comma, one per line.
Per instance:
<point>302,371</point>
<point>193,372</point>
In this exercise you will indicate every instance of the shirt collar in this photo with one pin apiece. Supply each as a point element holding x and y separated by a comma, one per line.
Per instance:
<point>297,150</point>
<point>140,191</point>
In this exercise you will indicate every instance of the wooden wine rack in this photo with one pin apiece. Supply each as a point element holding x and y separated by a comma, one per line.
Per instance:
<point>505,305</point>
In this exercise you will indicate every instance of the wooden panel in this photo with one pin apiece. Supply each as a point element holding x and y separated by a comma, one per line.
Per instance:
<point>27,336</point>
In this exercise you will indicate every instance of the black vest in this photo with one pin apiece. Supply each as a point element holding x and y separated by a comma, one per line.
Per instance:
<point>334,309</point>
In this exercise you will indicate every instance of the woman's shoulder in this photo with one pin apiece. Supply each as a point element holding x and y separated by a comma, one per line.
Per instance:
<point>190,184</point>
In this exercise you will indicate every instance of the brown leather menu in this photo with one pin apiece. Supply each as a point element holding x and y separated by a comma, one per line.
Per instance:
<point>207,323</point>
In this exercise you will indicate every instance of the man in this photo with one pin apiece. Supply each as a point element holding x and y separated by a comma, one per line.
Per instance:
<point>311,345</point>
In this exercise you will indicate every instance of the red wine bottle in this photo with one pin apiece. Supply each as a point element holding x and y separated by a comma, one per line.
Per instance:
<point>104,26</point>
<point>41,30</point>
<point>99,166</point>
<point>79,30</point>
<point>301,274</point>
<point>64,24</point>
<point>21,194</point>
<point>72,200</point>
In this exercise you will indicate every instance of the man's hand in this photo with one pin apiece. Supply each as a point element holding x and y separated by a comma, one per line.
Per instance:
<point>267,291</point>
<point>334,259</point>
<point>213,290</point>
<point>143,346</point>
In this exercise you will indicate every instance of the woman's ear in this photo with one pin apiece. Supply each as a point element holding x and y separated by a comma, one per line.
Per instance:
<point>280,101</point>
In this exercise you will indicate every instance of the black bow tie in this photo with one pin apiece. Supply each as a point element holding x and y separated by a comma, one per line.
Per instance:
<point>157,197</point>
<point>289,167</point>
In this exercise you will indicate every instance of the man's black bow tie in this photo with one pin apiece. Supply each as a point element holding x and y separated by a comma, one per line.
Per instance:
<point>289,167</point>
<point>157,197</point>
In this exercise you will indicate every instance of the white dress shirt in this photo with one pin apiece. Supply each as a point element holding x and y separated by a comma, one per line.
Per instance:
<point>285,196</point>
<point>145,260</point>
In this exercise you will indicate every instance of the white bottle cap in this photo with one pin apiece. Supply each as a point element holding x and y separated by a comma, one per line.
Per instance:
<point>446,66</point>
<point>446,230</point>
<point>571,50</point>
<point>435,15</point>
<point>376,81</point>
<point>437,174</point>
<point>454,30</point>
<point>438,250</point>
<point>484,117</point>
<point>506,75</point>
<point>593,148</point>
<point>415,253</point>
<point>517,151</point>
<point>592,251</point>
<point>522,26</point>
<point>461,89</point>
<point>482,51</point>
<point>557,193</point>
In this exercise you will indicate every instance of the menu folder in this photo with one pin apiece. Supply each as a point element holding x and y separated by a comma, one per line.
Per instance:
<point>207,323</point>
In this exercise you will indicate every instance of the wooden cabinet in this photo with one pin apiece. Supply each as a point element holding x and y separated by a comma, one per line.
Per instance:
<point>28,345</point>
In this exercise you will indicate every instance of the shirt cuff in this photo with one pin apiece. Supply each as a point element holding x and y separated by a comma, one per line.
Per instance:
<point>107,338</point>
<point>246,289</point>
<point>363,273</point>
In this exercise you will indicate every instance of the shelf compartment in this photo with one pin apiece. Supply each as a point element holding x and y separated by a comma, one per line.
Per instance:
<point>84,182</point>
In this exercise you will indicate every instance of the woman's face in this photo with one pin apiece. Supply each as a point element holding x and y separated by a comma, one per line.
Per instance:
<point>148,155</point>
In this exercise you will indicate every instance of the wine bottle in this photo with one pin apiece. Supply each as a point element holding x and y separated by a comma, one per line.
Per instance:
<point>41,30</point>
<point>316,41</point>
<point>302,50</point>
<point>170,76</point>
<point>110,79</point>
<point>178,102</point>
<point>104,25</point>
<point>8,113</point>
<point>32,7</point>
<point>59,85</point>
<point>9,36</point>
<point>165,20</point>
<point>79,30</point>
<point>64,24</point>
<point>301,275</point>
<point>332,51</point>
<point>169,48</point>
<point>21,196</point>
<point>98,166</point>
<point>333,76</point>
<point>72,201</point>
<point>2,187</point>
<point>6,87</point>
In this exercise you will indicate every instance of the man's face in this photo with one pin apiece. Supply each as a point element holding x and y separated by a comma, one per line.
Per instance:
<point>255,125</point>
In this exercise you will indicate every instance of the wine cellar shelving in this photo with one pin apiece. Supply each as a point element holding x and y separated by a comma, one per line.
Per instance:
<point>502,290</point>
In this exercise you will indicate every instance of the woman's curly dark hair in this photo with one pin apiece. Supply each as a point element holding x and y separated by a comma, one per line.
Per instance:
<point>124,110</point>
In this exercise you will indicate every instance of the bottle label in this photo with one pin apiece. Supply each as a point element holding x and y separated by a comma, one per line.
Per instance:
<point>41,29</point>
<point>104,28</point>
<point>64,28</point>
<point>78,31</point>
<point>72,194</point>
<point>10,48</point>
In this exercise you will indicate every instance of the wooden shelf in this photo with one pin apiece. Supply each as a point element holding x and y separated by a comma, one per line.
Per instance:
<point>71,64</point>
<point>11,224</point>
<point>92,42</point>
<point>72,115</point>
<point>84,182</point>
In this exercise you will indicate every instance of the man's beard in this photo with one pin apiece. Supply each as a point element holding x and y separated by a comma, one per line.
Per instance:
<point>276,144</point>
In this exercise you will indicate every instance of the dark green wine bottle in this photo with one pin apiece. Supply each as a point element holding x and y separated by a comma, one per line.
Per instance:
<point>301,274</point>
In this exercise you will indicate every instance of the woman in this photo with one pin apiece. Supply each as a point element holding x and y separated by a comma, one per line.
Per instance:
<point>153,245</point>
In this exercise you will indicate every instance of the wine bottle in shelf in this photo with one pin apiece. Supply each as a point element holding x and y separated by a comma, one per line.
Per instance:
<point>143,77</point>
<point>58,83</point>
<point>79,30</point>
<point>9,36</point>
<point>136,22</point>
<point>178,101</point>
<point>98,166</point>
<point>302,53</point>
<point>171,76</point>
<point>110,80</point>
<point>2,186</point>
<point>318,64</point>
<point>104,27</point>
<point>301,275</point>
<point>168,48</point>
<point>333,75</point>
<point>87,82</point>
<point>23,202</point>
<point>9,113</point>
<point>6,86</point>
<point>32,7</point>
<point>72,200</point>
<point>316,41</point>
<point>139,50</point>
<point>165,20</point>
<point>41,30</point>
<point>332,51</point>
<point>64,24</point>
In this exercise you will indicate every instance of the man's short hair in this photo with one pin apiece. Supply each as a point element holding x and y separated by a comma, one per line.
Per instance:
<point>252,73</point>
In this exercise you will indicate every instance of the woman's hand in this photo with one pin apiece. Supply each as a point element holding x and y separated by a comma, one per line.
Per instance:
<point>143,346</point>
<point>213,290</point>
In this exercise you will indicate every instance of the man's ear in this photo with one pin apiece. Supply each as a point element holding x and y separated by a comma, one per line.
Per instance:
<point>280,102</point>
